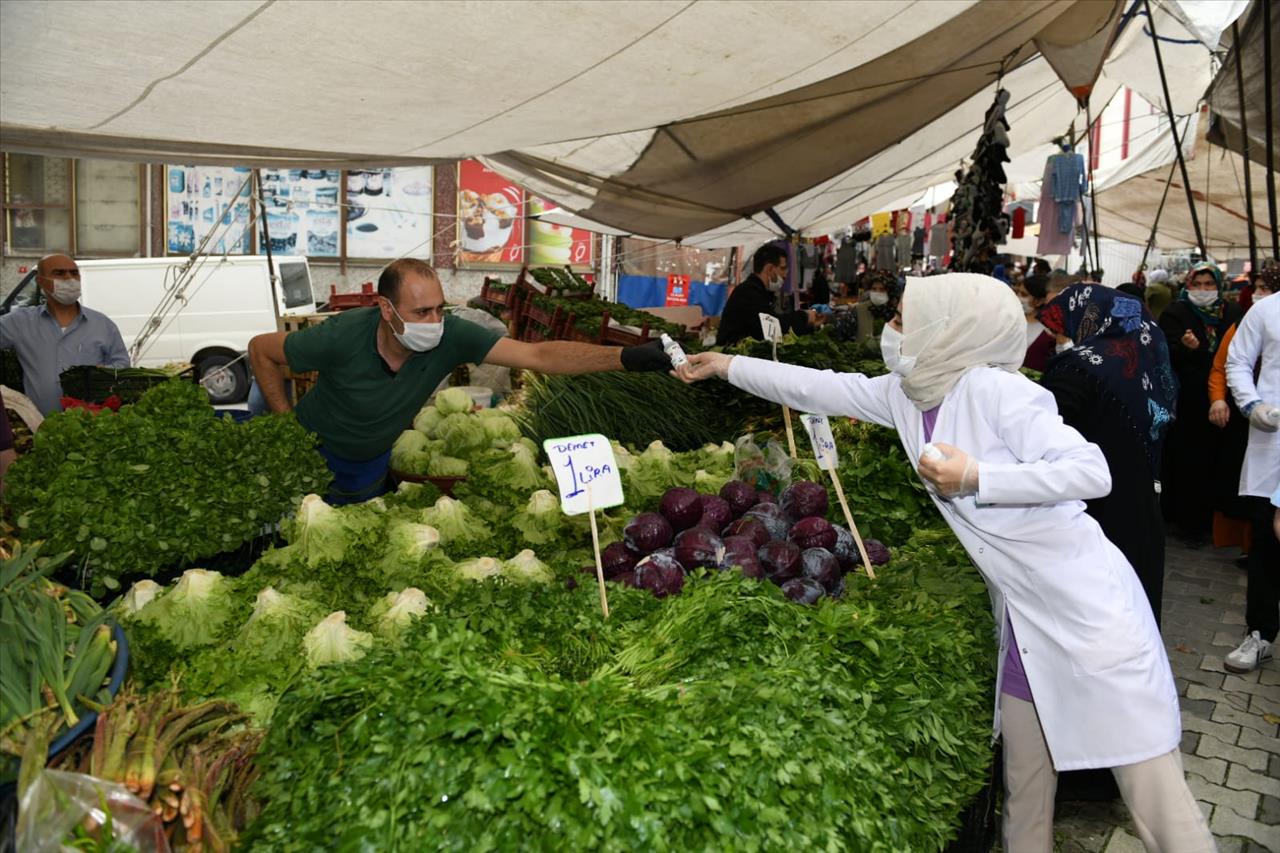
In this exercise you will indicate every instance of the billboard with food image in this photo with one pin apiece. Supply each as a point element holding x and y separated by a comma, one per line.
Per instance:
<point>490,218</point>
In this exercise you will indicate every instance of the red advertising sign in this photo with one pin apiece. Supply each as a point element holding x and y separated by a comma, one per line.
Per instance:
<point>677,290</point>
<point>490,217</point>
<point>557,245</point>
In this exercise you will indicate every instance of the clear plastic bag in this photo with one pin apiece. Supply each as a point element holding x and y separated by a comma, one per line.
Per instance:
<point>57,802</point>
<point>768,469</point>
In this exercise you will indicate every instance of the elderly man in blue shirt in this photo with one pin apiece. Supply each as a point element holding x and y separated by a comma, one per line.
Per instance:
<point>59,335</point>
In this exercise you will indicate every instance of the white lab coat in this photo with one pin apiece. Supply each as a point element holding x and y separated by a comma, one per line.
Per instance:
<point>1089,644</point>
<point>1258,335</point>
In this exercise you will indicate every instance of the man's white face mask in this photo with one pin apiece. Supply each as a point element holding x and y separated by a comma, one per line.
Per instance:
<point>66,291</point>
<point>419,337</point>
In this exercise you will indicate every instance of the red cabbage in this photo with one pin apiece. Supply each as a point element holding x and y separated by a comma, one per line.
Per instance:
<point>648,532</point>
<point>682,507</point>
<point>813,533</point>
<point>877,552</point>
<point>716,513</point>
<point>781,561</point>
<point>846,549</point>
<point>660,574</point>
<point>618,559</point>
<point>752,528</point>
<point>741,496</point>
<point>821,565</point>
<point>763,497</point>
<point>741,551</point>
<point>699,548</point>
<point>770,515</point>
<point>803,590</point>
<point>804,499</point>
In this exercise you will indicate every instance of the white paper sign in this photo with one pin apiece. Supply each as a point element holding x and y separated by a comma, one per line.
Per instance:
<point>824,444</point>
<point>771,328</point>
<point>583,461</point>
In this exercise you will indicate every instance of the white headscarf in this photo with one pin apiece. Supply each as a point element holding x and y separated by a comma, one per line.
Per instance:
<point>956,321</point>
<point>1157,276</point>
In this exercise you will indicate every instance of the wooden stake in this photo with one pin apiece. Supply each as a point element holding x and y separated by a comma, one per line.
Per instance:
<point>791,436</point>
<point>786,415</point>
<point>595,544</point>
<point>853,527</point>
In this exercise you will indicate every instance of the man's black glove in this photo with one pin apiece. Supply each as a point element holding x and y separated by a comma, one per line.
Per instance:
<point>648,356</point>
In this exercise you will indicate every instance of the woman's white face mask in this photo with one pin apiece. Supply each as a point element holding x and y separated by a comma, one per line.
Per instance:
<point>891,347</point>
<point>878,298</point>
<point>891,341</point>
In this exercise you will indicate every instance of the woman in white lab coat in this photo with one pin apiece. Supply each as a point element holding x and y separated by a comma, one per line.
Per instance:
<point>1077,637</point>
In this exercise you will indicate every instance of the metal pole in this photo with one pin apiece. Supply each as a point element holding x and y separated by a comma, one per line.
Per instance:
<point>1269,80</point>
<point>1173,126</point>
<point>1151,241</point>
<point>266,241</point>
<point>1093,198</point>
<point>1244,136</point>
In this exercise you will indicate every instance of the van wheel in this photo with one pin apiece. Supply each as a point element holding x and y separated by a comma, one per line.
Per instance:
<point>224,384</point>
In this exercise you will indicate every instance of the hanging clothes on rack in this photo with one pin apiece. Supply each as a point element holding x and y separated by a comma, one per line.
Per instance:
<point>1058,218</point>
<point>886,248</point>
<point>902,249</point>
<point>847,262</point>
<point>939,241</point>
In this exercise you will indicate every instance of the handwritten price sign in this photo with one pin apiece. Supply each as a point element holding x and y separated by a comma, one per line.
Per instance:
<point>771,327</point>
<point>824,444</point>
<point>584,462</point>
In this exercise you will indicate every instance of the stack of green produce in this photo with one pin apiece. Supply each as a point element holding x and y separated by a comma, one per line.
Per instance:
<point>722,718</point>
<point>588,314</point>
<point>560,278</point>
<point>437,672</point>
<point>56,651</point>
<point>161,483</point>
<point>447,436</point>
<point>193,765</point>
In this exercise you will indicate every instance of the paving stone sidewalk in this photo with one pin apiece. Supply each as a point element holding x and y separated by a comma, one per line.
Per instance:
<point>1230,723</point>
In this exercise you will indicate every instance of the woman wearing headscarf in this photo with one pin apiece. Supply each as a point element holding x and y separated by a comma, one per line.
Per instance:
<point>882,293</point>
<point>1083,680</point>
<point>1194,325</point>
<point>1157,293</point>
<point>1112,381</point>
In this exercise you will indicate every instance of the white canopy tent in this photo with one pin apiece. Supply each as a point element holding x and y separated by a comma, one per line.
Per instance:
<point>664,118</point>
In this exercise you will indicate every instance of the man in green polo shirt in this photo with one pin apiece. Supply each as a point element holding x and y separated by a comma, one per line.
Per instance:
<point>377,366</point>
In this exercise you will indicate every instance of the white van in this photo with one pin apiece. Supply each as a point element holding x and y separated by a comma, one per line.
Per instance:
<point>227,300</point>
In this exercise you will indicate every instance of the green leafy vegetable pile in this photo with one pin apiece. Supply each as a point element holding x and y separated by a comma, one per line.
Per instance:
<point>723,718</point>
<point>163,482</point>
<point>56,650</point>
<point>447,436</point>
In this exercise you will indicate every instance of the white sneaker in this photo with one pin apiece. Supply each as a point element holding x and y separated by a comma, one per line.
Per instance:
<point>1249,655</point>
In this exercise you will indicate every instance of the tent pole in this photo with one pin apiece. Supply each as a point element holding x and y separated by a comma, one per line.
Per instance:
<point>1155,226</point>
<point>1093,199</point>
<point>1269,81</point>
<point>1244,135</point>
<point>1173,126</point>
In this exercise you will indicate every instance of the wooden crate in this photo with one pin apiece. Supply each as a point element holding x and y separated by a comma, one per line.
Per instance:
<point>302,382</point>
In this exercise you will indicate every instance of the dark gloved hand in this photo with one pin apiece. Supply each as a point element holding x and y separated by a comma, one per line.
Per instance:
<point>648,356</point>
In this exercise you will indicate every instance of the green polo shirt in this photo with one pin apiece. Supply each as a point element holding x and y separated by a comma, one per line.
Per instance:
<point>359,407</point>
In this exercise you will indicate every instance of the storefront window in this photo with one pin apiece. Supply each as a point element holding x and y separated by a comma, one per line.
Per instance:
<point>37,204</point>
<point>108,208</point>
